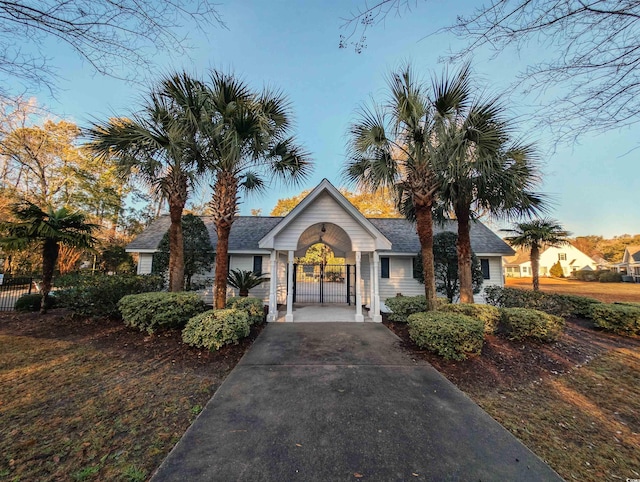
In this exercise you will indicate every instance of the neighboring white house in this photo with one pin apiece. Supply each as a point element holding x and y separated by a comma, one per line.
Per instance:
<point>571,259</point>
<point>630,265</point>
<point>379,254</point>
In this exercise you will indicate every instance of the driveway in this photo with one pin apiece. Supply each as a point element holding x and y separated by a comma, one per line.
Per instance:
<point>343,401</point>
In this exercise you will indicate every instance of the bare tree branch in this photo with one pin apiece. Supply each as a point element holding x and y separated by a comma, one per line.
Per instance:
<point>118,38</point>
<point>592,54</point>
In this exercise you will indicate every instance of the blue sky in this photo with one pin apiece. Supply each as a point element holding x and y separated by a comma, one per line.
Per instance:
<point>294,46</point>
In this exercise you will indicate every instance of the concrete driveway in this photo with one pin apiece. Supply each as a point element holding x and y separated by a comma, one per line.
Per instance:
<point>343,401</point>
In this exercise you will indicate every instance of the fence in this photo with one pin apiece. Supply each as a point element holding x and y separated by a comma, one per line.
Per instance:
<point>13,288</point>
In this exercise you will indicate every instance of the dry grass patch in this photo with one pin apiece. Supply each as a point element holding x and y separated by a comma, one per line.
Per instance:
<point>607,292</point>
<point>585,424</point>
<point>83,400</point>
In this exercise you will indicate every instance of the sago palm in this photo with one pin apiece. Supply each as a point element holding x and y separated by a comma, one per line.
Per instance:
<point>535,236</point>
<point>244,143</point>
<point>394,145</point>
<point>49,229</point>
<point>158,147</point>
<point>243,281</point>
<point>480,168</point>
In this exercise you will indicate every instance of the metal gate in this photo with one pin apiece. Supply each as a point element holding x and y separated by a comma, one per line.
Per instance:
<point>324,283</point>
<point>13,288</point>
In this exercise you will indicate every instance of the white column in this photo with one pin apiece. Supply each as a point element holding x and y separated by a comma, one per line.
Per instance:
<point>359,316</point>
<point>376,316</point>
<point>273,288</point>
<point>289,316</point>
<point>371,286</point>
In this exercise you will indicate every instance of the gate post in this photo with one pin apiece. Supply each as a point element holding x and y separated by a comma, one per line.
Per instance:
<point>289,315</point>
<point>273,286</point>
<point>376,288</point>
<point>359,316</point>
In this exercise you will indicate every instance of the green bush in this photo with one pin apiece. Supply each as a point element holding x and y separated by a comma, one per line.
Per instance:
<point>535,300</point>
<point>160,310</point>
<point>488,315</point>
<point>610,277</point>
<point>585,275</point>
<point>253,306</point>
<point>32,302</point>
<point>215,328</point>
<point>623,319</point>
<point>450,335</point>
<point>521,323</point>
<point>403,306</point>
<point>98,295</point>
<point>579,306</point>
<point>556,270</point>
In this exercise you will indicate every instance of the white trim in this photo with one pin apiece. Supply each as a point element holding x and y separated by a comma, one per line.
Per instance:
<point>289,315</point>
<point>392,254</point>
<point>143,251</point>
<point>381,242</point>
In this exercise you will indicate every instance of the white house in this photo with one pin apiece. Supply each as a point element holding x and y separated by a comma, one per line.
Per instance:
<point>571,259</point>
<point>630,265</point>
<point>379,254</point>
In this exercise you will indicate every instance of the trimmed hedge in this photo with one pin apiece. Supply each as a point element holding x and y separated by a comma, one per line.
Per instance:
<point>215,328</point>
<point>404,306</point>
<point>610,277</point>
<point>553,304</point>
<point>623,319</point>
<point>487,314</point>
<point>32,302</point>
<point>451,335</point>
<point>160,310</point>
<point>580,306</point>
<point>98,295</point>
<point>253,306</point>
<point>522,323</point>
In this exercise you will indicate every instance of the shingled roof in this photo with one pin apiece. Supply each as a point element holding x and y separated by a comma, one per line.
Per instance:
<point>248,230</point>
<point>634,252</point>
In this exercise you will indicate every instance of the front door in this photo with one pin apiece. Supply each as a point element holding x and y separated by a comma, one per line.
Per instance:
<point>324,283</point>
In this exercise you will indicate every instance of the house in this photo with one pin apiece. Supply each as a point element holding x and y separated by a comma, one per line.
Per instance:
<point>571,259</point>
<point>630,265</point>
<point>379,254</point>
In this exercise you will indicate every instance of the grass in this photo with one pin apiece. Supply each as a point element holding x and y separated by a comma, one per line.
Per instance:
<point>585,424</point>
<point>607,292</point>
<point>74,410</point>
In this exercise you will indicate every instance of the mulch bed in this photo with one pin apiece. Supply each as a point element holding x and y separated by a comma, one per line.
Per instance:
<point>506,364</point>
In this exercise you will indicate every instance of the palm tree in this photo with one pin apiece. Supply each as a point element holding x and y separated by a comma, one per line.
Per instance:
<point>243,281</point>
<point>536,235</point>
<point>395,146</point>
<point>244,141</point>
<point>158,147</point>
<point>481,170</point>
<point>50,229</point>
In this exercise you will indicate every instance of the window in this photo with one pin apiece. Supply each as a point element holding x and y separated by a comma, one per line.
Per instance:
<point>257,265</point>
<point>384,267</point>
<point>562,256</point>
<point>484,265</point>
<point>636,271</point>
<point>416,268</point>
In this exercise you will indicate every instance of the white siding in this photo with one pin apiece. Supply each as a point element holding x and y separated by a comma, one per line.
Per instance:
<point>145,261</point>
<point>324,210</point>
<point>495,276</point>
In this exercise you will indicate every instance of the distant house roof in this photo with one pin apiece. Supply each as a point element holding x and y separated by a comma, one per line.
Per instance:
<point>634,253</point>
<point>521,256</point>
<point>247,231</point>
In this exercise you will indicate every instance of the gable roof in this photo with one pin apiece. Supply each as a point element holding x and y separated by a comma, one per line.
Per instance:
<point>634,253</point>
<point>247,231</point>
<point>326,187</point>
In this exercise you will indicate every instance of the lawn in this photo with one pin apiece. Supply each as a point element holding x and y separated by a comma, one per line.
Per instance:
<point>607,292</point>
<point>94,400</point>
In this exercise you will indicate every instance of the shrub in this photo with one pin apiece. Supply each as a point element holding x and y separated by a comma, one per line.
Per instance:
<point>450,335</point>
<point>521,323</point>
<point>610,277</point>
<point>160,310</point>
<point>253,306</point>
<point>580,306</point>
<point>98,295</point>
<point>556,270</point>
<point>215,328</point>
<point>535,300</point>
<point>586,275</point>
<point>488,315</point>
<point>32,302</point>
<point>622,319</point>
<point>403,306</point>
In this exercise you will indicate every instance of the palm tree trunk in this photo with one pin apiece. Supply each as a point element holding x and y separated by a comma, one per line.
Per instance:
<point>224,203</point>
<point>463,248</point>
<point>535,266</point>
<point>424,228</point>
<point>50,251</point>
<point>177,198</point>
